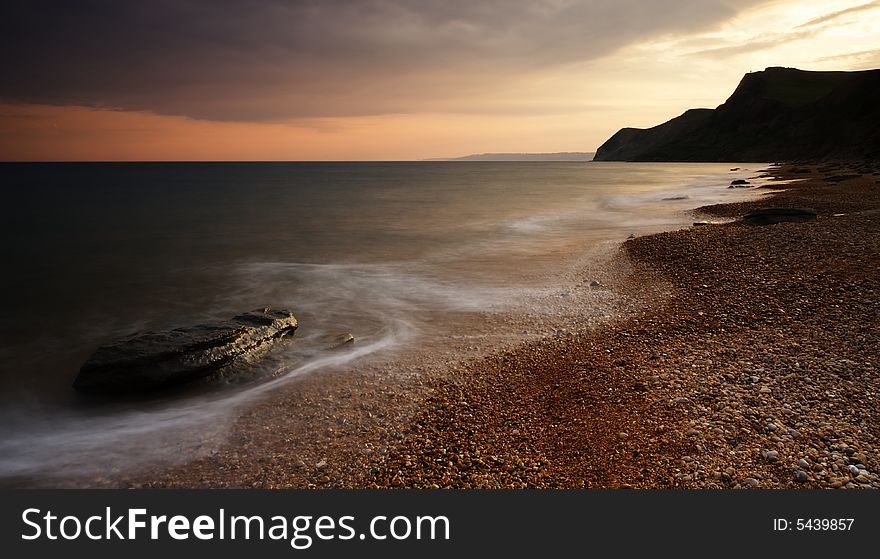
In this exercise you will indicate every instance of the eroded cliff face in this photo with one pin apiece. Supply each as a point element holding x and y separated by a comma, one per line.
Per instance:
<point>777,114</point>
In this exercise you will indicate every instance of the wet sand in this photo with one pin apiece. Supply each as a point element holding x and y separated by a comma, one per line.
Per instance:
<point>730,355</point>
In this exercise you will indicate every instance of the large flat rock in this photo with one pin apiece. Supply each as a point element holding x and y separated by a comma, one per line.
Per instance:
<point>155,360</point>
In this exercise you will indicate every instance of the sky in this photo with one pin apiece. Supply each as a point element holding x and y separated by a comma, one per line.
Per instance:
<point>104,80</point>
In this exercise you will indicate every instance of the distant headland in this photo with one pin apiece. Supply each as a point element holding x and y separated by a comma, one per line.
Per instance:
<point>777,114</point>
<point>558,156</point>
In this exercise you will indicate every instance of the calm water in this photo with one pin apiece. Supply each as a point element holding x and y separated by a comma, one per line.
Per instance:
<point>92,252</point>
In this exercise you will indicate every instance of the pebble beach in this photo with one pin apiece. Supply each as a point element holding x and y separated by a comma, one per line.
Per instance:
<point>756,366</point>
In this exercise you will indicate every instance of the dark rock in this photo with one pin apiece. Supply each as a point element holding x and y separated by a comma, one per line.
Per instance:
<point>840,178</point>
<point>768,216</point>
<point>739,182</point>
<point>674,198</point>
<point>700,223</point>
<point>156,360</point>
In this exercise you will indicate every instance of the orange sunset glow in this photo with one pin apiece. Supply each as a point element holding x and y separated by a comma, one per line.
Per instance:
<point>348,83</point>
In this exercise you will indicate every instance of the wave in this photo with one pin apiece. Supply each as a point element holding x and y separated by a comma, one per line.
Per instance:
<point>379,303</point>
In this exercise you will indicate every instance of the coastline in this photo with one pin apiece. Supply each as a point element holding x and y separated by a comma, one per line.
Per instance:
<point>665,395</point>
<point>760,369</point>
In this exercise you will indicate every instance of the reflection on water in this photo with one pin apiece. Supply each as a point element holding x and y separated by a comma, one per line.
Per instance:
<point>98,251</point>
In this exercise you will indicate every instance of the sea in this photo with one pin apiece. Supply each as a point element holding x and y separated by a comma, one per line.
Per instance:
<point>93,252</point>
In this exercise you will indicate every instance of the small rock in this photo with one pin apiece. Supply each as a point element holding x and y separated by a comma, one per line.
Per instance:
<point>803,464</point>
<point>750,482</point>
<point>801,476</point>
<point>853,470</point>
<point>770,455</point>
<point>623,435</point>
<point>336,341</point>
<point>595,283</point>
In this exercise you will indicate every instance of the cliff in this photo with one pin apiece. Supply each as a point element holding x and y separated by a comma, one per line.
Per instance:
<point>777,114</point>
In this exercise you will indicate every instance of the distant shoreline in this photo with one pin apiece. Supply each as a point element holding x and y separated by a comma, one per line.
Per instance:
<point>556,156</point>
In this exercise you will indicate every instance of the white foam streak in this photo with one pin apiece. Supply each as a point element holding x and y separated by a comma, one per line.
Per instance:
<point>380,303</point>
<point>71,445</point>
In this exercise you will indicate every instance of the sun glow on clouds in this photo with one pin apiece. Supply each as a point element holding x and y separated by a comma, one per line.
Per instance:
<point>571,106</point>
<point>659,79</point>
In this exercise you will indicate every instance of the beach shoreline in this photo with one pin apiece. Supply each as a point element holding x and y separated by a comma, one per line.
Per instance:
<point>758,371</point>
<point>661,395</point>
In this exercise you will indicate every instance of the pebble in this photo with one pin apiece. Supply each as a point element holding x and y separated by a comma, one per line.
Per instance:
<point>803,464</point>
<point>751,482</point>
<point>801,476</point>
<point>770,455</point>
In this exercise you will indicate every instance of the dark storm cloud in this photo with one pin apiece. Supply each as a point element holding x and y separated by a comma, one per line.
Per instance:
<point>262,60</point>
